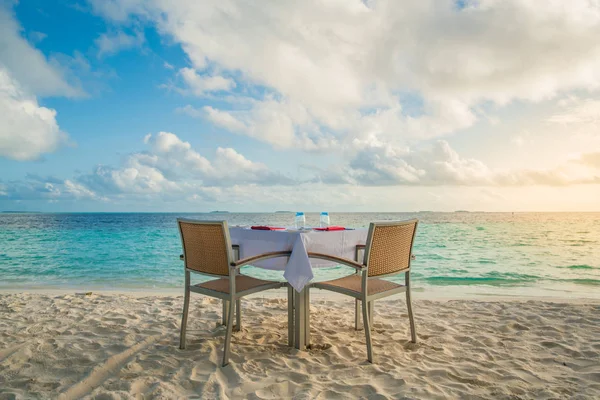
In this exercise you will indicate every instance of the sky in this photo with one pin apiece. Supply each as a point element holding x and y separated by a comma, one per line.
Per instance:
<point>318,105</point>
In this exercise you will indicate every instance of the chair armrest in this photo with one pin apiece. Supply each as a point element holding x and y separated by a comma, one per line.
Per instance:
<point>260,257</point>
<point>340,260</point>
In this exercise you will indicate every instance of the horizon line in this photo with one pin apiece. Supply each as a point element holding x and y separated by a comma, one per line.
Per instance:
<point>291,212</point>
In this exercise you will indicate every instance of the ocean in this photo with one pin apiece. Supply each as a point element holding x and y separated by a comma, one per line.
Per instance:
<point>533,254</point>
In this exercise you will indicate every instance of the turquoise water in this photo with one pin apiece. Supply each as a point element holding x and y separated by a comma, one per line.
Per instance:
<point>496,253</point>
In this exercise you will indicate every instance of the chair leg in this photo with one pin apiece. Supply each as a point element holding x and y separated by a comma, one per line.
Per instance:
<point>184,318</point>
<point>356,315</point>
<point>371,311</point>
<point>366,319</point>
<point>225,311</point>
<point>238,315</point>
<point>413,329</point>
<point>229,331</point>
<point>290,316</point>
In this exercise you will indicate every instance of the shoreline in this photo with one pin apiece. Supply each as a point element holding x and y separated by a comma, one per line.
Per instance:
<point>422,294</point>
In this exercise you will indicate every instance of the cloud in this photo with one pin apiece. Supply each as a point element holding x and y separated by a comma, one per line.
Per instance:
<point>28,65</point>
<point>171,171</point>
<point>220,118</point>
<point>231,166</point>
<point>518,140</point>
<point>178,159</point>
<point>578,111</point>
<point>171,168</point>
<point>338,71</point>
<point>590,159</point>
<point>137,176</point>
<point>191,111</point>
<point>279,123</point>
<point>177,154</point>
<point>79,191</point>
<point>197,84</point>
<point>118,10</point>
<point>27,130</point>
<point>36,37</point>
<point>46,188</point>
<point>380,164</point>
<point>114,42</point>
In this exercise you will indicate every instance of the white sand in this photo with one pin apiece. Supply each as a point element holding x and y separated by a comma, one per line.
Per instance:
<point>118,346</point>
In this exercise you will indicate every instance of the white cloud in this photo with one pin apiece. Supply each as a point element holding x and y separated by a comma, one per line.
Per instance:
<point>578,111</point>
<point>405,180</point>
<point>518,141</point>
<point>139,177</point>
<point>79,191</point>
<point>46,188</point>
<point>201,84</point>
<point>191,111</point>
<point>27,129</point>
<point>379,164</point>
<point>231,166</point>
<point>172,168</point>
<point>591,159</point>
<point>280,123</point>
<point>229,158</point>
<point>28,65</point>
<point>177,153</point>
<point>37,37</point>
<point>118,10</point>
<point>113,42</point>
<point>220,118</point>
<point>177,159</point>
<point>346,65</point>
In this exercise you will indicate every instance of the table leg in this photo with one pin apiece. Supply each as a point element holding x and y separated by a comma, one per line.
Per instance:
<point>300,319</point>
<point>291,341</point>
<point>307,318</point>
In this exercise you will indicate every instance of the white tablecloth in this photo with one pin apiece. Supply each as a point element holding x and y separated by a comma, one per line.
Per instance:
<point>298,268</point>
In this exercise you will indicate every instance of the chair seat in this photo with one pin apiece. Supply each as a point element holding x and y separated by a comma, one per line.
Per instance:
<point>353,283</point>
<point>242,283</point>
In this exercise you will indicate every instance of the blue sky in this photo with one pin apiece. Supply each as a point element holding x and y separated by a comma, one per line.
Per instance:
<point>151,105</point>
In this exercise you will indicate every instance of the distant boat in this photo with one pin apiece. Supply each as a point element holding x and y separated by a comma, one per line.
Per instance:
<point>219,212</point>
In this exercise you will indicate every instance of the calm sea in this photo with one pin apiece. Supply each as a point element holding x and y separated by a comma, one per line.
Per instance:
<point>550,254</point>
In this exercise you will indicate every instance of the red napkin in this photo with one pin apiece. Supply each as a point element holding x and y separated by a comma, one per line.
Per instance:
<point>331,228</point>
<point>267,228</point>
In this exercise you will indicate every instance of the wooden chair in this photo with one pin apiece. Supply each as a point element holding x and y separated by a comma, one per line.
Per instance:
<point>388,251</point>
<point>207,250</point>
<point>238,312</point>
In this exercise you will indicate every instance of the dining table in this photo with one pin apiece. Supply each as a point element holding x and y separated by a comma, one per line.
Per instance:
<point>298,267</point>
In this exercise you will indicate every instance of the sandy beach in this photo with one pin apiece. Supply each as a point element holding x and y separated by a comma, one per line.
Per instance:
<point>116,346</point>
